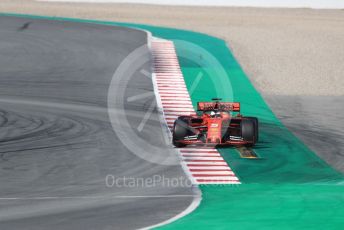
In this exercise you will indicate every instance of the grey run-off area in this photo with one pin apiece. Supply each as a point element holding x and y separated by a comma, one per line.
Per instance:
<point>317,121</point>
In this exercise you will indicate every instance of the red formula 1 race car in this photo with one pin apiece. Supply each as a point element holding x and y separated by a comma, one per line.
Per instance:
<point>218,125</point>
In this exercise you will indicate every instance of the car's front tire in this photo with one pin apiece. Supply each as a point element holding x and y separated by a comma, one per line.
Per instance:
<point>248,131</point>
<point>180,131</point>
<point>256,127</point>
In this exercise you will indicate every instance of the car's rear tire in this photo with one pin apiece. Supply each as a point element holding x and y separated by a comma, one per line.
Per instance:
<point>180,130</point>
<point>256,127</point>
<point>248,131</point>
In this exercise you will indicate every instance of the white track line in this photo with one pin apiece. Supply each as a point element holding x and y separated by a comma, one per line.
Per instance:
<point>164,54</point>
<point>197,192</point>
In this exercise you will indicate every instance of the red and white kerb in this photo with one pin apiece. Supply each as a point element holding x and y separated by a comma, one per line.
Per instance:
<point>205,164</point>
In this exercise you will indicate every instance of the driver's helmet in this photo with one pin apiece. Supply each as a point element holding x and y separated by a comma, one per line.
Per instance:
<point>215,113</point>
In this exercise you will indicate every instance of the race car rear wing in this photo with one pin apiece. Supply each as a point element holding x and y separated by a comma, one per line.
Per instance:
<point>223,106</point>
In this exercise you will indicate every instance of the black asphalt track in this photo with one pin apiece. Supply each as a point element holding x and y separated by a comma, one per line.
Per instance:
<point>57,144</point>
